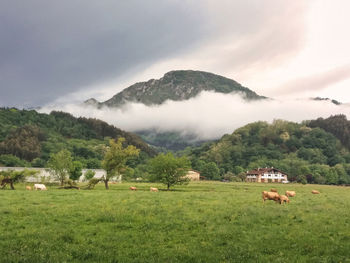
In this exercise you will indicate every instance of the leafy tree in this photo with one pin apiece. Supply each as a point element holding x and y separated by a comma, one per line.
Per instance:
<point>89,174</point>
<point>11,177</point>
<point>93,163</point>
<point>115,158</point>
<point>76,170</point>
<point>169,170</point>
<point>60,165</point>
<point>129,174</point>
<point>210,171</point>
<point>12,161</point>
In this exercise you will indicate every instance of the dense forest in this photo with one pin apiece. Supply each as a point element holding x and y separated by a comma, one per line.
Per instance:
<point>306,152</point>
<point>27,138</point>
<point>338,125</point>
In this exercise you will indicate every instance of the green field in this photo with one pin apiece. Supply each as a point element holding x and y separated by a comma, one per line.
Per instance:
<point>201,222</point>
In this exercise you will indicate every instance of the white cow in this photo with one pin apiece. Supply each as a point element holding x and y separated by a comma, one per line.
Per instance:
<point>39,187</point>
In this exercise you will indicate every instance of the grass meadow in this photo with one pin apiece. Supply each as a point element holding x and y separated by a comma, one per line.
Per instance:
<point>200,222</point>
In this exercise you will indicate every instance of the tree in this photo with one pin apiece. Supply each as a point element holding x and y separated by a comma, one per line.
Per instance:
<point>115,158</point>
<point>11,177</point>
<point>169,170</point>
<point>89,175</point>
<point>12,161</point>
<point>60,165</point>
<point>76,170</point>
<point>210,171</point>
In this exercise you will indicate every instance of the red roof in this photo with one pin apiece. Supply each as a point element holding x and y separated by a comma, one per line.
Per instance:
<point>260,171</point>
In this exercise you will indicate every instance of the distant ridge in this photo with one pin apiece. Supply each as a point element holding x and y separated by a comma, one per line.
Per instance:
<point>327,99</point>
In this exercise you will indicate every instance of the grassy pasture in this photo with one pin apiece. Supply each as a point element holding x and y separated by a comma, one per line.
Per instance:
<point>201,222</point>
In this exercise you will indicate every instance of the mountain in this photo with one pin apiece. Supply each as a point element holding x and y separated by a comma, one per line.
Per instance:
<point>27,138</point>
<point>176,85</point>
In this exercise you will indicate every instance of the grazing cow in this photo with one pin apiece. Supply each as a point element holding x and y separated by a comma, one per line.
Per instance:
<point>39,187</point>
<point>284,199</point>
<point>290,193</point>
<point>315,192</point>
<point>153,189</point>
<point>273,190</point>
<point>270,196</point>
<point>133,188</point>
<point>28,187</point>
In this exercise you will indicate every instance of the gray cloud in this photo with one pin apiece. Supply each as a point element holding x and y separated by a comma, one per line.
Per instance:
<point>316,82</point>
<point>49,48</point>
<point>52,48</point>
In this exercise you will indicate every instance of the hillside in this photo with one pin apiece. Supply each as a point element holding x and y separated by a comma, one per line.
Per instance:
<point>27,138</point>
<point>173,141</point>
<point>338,125</point>
<point>177,86</point>
<point>306,154</point>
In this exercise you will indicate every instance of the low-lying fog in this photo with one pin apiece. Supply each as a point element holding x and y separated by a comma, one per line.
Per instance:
<point>208,116</point>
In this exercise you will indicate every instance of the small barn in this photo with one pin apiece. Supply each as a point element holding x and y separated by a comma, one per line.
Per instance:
<point>193,175</point>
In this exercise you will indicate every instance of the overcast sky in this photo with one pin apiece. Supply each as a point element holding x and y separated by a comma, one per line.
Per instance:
<point>71,50</point>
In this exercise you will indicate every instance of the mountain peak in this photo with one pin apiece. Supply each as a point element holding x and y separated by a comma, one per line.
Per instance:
<point>92,102</point>
<point>177,85</point>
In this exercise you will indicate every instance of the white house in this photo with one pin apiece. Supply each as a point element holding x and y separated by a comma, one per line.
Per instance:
<point>266,175</point>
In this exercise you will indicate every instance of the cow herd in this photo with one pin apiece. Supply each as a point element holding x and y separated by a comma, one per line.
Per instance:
<point>266,195</point>
<point>282,199</point>
<point>41,187</point>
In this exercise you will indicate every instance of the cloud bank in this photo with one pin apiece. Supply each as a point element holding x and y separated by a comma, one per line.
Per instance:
<point>208,116</point>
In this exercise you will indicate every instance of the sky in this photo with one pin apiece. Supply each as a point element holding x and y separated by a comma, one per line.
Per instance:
<point>73,50</point>
<point>56,54</point>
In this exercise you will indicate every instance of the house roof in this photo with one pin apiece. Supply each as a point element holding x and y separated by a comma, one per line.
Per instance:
<point>260,171</point>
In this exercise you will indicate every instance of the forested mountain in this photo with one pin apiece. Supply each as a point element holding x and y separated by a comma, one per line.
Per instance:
<point>27,138</point>
<point>177,86</point>
<point>306,154</point>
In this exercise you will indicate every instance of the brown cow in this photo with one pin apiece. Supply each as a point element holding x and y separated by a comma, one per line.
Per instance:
<point>284,199</point>
<point>28,187</point>
<point>273,190</point>
<point>133,188</point>
<point>315,192</point>
<point>153,189</point>
<point>290,193</point>
<point>270,196</point>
